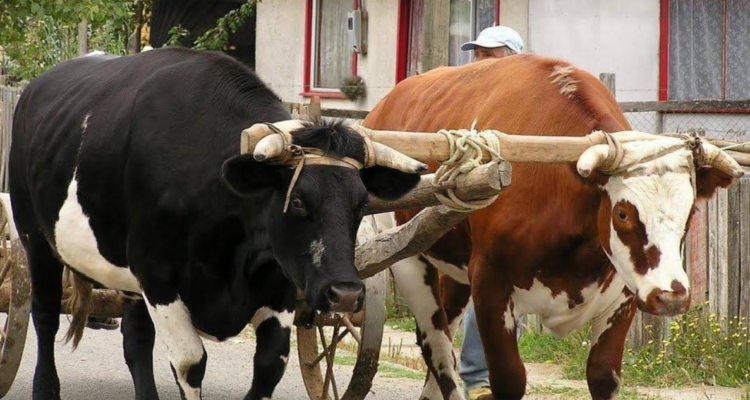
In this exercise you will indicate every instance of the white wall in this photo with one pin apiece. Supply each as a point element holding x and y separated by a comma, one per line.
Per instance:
<point>280,43</point>
<point>620,36</point>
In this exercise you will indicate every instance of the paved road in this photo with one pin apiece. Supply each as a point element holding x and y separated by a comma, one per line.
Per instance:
<point>97,370</point>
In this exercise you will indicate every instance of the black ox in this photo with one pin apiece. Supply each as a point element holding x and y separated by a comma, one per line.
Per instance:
<point>129,171</point>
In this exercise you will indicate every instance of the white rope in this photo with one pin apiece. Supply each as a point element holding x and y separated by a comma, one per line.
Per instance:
<point>466,149</point>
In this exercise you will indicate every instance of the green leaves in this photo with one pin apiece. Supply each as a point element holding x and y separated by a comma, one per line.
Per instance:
<point>216,38</point>
<point>38,34</point>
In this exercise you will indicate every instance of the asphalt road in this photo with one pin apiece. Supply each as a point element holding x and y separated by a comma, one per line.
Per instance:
<point>97,370</point>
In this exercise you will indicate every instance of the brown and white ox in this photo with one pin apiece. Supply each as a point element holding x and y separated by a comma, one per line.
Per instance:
<point>567,243</point>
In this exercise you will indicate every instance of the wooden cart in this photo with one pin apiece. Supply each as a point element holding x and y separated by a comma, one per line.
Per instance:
<point>319,337</point>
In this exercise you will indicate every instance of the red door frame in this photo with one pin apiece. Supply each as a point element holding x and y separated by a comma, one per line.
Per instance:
<point>307,90</point>
<point>402,37</point>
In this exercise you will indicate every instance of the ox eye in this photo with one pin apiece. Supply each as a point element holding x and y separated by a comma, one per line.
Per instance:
<point>297,204</point>
<point>622,215</point>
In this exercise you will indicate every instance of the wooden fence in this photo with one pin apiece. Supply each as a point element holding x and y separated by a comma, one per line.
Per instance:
<point>8,99</point>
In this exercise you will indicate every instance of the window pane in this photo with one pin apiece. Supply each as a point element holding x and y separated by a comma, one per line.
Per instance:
<point>460,32</point>
<point>333,58</point>
<point>695,49</point>
<point>485,16</point>
<point>738,49</point>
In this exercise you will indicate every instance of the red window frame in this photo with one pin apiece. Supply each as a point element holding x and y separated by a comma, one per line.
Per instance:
<point>307,90</point>
<point>402,36</point>
<point>664,52</point>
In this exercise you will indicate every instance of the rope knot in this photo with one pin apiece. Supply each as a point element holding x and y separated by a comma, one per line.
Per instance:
<point>467,147</point>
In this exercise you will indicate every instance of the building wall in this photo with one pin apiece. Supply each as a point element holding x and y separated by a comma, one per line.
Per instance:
<point>619,36</point>
<point>281,48</point>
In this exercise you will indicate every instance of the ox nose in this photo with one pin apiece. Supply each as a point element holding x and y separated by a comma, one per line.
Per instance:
<point>673,302</point>
<point>346,297</point>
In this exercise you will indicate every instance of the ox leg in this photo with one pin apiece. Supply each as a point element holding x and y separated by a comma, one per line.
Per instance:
<point>609,332</point>
<point>174,326</point>
<point>46,282</point>
<point>455,297</point>
<point>497,329</point>
<point>417,281</point>
<point>273,326</point>
<point>138,345</point>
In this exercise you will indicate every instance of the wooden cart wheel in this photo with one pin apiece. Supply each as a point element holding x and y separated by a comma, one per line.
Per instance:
<point>15,297</point>
<point>319,345</point>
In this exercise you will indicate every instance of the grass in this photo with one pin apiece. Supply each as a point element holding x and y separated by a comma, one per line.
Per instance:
<point>386,369</point>
<point>701,349</point>
<point>572,393</point>
<point>406,324</point>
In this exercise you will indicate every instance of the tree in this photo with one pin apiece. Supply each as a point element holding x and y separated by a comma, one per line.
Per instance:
<point>38,34</point>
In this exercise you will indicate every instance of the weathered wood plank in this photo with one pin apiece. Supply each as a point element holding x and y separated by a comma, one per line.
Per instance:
<point>745,249</point>
<point>484,181</point>
<point>733,214</point>
<point>697,253</point>
<point>716,106</point>
<point>713,268</point>
<point>608,79</point>
<point>406,240</point>
<point>718,272</point>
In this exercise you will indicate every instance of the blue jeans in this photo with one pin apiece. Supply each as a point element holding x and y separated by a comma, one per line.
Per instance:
<point>473,369</point>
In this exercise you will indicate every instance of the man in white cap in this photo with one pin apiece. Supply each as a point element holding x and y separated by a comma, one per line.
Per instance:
<point>493,42</point>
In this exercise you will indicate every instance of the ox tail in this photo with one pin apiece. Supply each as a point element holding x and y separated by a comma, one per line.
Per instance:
<point>77,300</point>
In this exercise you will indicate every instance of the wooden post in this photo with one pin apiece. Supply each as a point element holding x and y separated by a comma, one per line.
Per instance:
<point>744,311</point>
<point>609,81</point>
<point>314,110</point>
<point>435,34</point>
<point>83,38</point>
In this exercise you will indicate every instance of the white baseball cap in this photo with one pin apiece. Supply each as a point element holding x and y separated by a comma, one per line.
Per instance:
<point>496,36</point>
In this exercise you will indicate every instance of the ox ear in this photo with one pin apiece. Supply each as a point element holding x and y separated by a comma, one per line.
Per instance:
<point>388,183</point>
<point>708,180</point>
<point>245,176</point>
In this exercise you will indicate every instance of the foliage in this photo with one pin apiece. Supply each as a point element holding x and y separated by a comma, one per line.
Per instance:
<point>216,38</point>
<point>701,349</point>
<point>353,87</point>
<point>571,352</point>
<point>37,34</point>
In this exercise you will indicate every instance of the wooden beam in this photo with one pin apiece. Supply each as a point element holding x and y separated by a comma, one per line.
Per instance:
<point>703,106</point>
<point>483,182</point>
<point>414,237</point>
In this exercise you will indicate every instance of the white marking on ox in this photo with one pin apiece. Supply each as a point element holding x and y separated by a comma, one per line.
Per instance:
<point>174,327</point>
<point>85,123</point>
<point>458,273</point>
<point>77,246</point>
<point>663,195</point>
<point>316,251</point>
<point>409,275</point>
<point>561,76</point>
<point>555,311</point>
<point>285,318</point>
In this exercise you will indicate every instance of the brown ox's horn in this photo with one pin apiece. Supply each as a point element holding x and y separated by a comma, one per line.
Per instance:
<point>610,160</point>
<point>390,158</point>
<point>715,157</point>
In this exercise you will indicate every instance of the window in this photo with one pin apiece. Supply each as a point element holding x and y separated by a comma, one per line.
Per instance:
<point>328,59</point>
<point>422,48</point>
<point>709,50</point>
<point>467,19</point>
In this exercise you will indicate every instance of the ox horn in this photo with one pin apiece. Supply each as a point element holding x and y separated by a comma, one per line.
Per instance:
<point>616,157</point>
<point>390,158</point>
<point>715,157</point>
<point>261,140</point>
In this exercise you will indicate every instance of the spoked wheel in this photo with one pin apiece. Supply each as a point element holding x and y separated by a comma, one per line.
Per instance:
<point>344,336</point>
<point>15,299</point>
